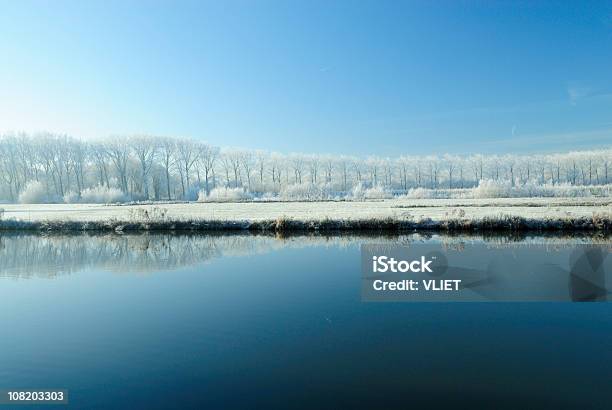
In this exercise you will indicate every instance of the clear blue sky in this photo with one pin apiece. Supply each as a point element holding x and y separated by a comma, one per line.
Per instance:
<point>359,77</point>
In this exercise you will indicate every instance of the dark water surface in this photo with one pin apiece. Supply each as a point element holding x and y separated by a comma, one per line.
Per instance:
<point>157,321</point>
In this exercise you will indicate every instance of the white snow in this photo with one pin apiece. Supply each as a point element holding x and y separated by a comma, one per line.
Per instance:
<point>436,209</point>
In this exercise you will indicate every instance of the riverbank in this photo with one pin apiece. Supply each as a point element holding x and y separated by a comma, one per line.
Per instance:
<point>398,215</point>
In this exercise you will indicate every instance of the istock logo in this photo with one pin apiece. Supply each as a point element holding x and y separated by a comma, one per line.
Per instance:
<point>386,264</point>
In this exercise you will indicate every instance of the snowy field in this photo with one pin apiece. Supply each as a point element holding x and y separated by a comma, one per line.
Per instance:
<point>399,209</point>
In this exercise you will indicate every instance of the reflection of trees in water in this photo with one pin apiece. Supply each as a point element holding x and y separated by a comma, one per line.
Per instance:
<point>546,242</point>
<point>24,255</point>
<point>40,255</point>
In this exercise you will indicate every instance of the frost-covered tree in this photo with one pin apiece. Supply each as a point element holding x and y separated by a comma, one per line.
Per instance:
<point>186,156</point>
<point>145,149</point>
<point>118,150</point>
<point>167,148</point>
<point>207,159</point>
<point>66,167</point>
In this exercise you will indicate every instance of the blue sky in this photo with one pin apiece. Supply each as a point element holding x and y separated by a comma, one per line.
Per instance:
<point>357,77</point>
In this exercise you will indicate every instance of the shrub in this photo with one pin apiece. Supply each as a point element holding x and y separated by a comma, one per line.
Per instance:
<point>71,197</point>
<point>224,194</point>
<point>34,193</point>
<point>361,193</point>
<point>530,189</point>
<point>488,188</point>
<point>424,193</point>
<point>306,192</point>
<point>378,192</point>
<point>102,195</point>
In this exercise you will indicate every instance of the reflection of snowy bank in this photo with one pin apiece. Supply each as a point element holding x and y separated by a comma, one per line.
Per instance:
<point>24,255</point>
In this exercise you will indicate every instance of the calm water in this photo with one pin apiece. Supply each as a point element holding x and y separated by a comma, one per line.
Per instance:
<point>260,322</point>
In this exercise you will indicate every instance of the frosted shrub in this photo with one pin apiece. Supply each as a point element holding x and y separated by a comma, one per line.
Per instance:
<point>102,195</point>
<point>34,193</point>
<point>378,192</point>
<point>71,197</point>
<point>424,193</point>
<point>531,189</point>
<point>428,193</point>
<point>224,194</point>
<point>360,193</point>
<point>306,192</point>
<point>419,193</point>
<point>568,190</point>
<point>488,188</point>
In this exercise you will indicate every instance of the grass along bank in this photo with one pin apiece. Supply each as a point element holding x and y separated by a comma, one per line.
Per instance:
<point>384,216</point>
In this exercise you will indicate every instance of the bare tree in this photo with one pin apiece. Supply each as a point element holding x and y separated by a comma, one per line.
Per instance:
<point>118,150</point>
<point>145,149</point>
<point>260,161</point>
<point>187,155</point>
<point>207,158</point>
<point>168,157</point>
<point>450,167</point>
<point>297,164</point>
<point>64,165</point>
<point>247,160</point>
<point>313,168</point>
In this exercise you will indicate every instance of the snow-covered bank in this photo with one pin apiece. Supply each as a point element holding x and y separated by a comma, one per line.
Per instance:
<point>397,214</point>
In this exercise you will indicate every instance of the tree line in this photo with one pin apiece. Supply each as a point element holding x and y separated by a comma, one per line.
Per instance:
<point>148,167</point>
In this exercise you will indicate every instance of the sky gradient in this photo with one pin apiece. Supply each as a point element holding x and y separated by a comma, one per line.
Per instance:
<point>354,77</point>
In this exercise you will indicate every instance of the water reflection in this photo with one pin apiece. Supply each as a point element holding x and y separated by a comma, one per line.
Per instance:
<point>250,332</point>
<point>26,255</point>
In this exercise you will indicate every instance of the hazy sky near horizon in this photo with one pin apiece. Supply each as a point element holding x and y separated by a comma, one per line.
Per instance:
<point>355,77</point>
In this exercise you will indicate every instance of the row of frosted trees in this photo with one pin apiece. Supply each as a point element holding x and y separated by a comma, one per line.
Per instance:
<point>158,168</point>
